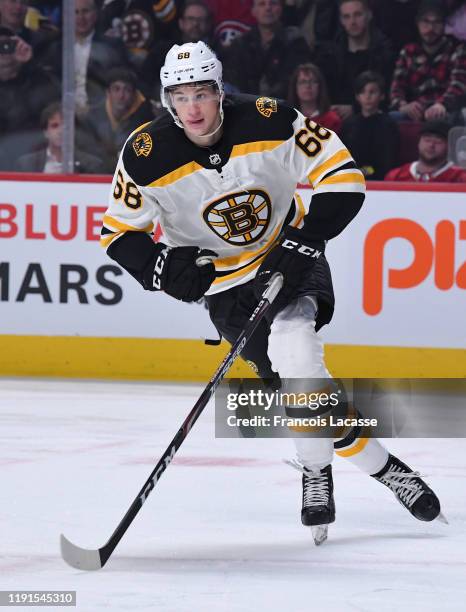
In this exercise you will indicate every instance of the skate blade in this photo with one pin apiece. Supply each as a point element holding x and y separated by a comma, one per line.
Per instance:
<point>319,534</point>
<point>443,519</point>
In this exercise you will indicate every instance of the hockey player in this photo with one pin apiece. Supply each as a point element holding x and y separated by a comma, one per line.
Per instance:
<point>220,177</point>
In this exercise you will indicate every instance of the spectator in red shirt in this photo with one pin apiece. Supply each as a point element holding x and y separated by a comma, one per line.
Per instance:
<point>432,165</point>
<point>430,75</point>
<point>308,93</point>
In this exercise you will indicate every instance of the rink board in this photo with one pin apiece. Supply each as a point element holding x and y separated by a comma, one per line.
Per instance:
<point>67,310</point>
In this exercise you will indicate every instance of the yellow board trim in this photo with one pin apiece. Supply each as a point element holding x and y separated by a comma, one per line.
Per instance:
<point>176,175</point>
<point>335,159</point>
<point>192,360</point>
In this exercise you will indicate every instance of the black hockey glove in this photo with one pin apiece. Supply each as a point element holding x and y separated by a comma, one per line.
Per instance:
<point>293,257</point>
<point>179,272</point>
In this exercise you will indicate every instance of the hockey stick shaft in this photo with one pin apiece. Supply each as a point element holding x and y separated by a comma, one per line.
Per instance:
<point>88,559</point>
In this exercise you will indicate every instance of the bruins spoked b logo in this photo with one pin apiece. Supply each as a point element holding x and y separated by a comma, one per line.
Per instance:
<point>241,217</point>
<point>266,106</point>
<point>142,144</point>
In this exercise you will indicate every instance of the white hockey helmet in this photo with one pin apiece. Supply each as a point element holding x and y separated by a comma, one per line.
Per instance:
<point>186,64</point>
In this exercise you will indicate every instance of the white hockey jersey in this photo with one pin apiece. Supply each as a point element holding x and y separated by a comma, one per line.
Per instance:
<point>234,197</point>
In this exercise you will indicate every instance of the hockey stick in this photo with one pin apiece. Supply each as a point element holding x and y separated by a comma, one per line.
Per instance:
<point>94,559</point>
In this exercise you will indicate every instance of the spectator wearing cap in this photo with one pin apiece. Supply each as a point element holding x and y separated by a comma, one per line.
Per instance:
<point>230,20</point>
<point>432,164</point>
<point>430,75</point>
<point>261,61</point>
<point>123,110</point>
<point>360,46</point>
<point>371,135</point>
<point>49,157</point>
<point>25,89</point>
<point>95,54</point>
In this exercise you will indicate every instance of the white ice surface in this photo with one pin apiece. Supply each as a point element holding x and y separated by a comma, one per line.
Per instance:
<point>221,531</point>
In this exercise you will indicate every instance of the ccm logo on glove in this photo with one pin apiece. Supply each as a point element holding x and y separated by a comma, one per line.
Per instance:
<point>295,261</point>
<point>185,273</point>
<point>158,269</point>
<point>303,249</point>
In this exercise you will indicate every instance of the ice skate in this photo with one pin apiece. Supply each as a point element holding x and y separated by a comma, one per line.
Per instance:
<point>410,490</point>
<point>318,509</point>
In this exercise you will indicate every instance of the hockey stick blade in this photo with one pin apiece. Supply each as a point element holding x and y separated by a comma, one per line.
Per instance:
<point>89,559</point>
<point>80,558</point>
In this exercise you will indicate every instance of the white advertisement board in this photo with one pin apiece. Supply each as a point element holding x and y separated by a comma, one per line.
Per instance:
<point>399,271</point>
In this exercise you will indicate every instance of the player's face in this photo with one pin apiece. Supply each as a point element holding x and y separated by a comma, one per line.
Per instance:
<point>267,12</point>
<point>431,28</point>
<point>307,87</point>
<point>121,96</point>
<point>354,18</point>
<point>86,17</point>
<point>54,130</point>
<point>432,149</point>
<point>370,98</point>
<point>197,107</point>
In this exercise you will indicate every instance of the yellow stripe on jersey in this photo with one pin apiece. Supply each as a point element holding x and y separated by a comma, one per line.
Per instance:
<point>350,177</point>
<point>331,163</point>
<point>105,241</point>
<point>252,266</point>
<point>112,223</point>
<point>301,212</point>
<point>171,15</point>
<point>159,6</point>
<point>236,260</point>
<point>255,147</point>
<point>353,450</point>
<point>139,128</point>
<point>176,175</point>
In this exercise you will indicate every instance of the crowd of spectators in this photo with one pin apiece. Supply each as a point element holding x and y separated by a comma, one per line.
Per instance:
<point>389,76</point>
